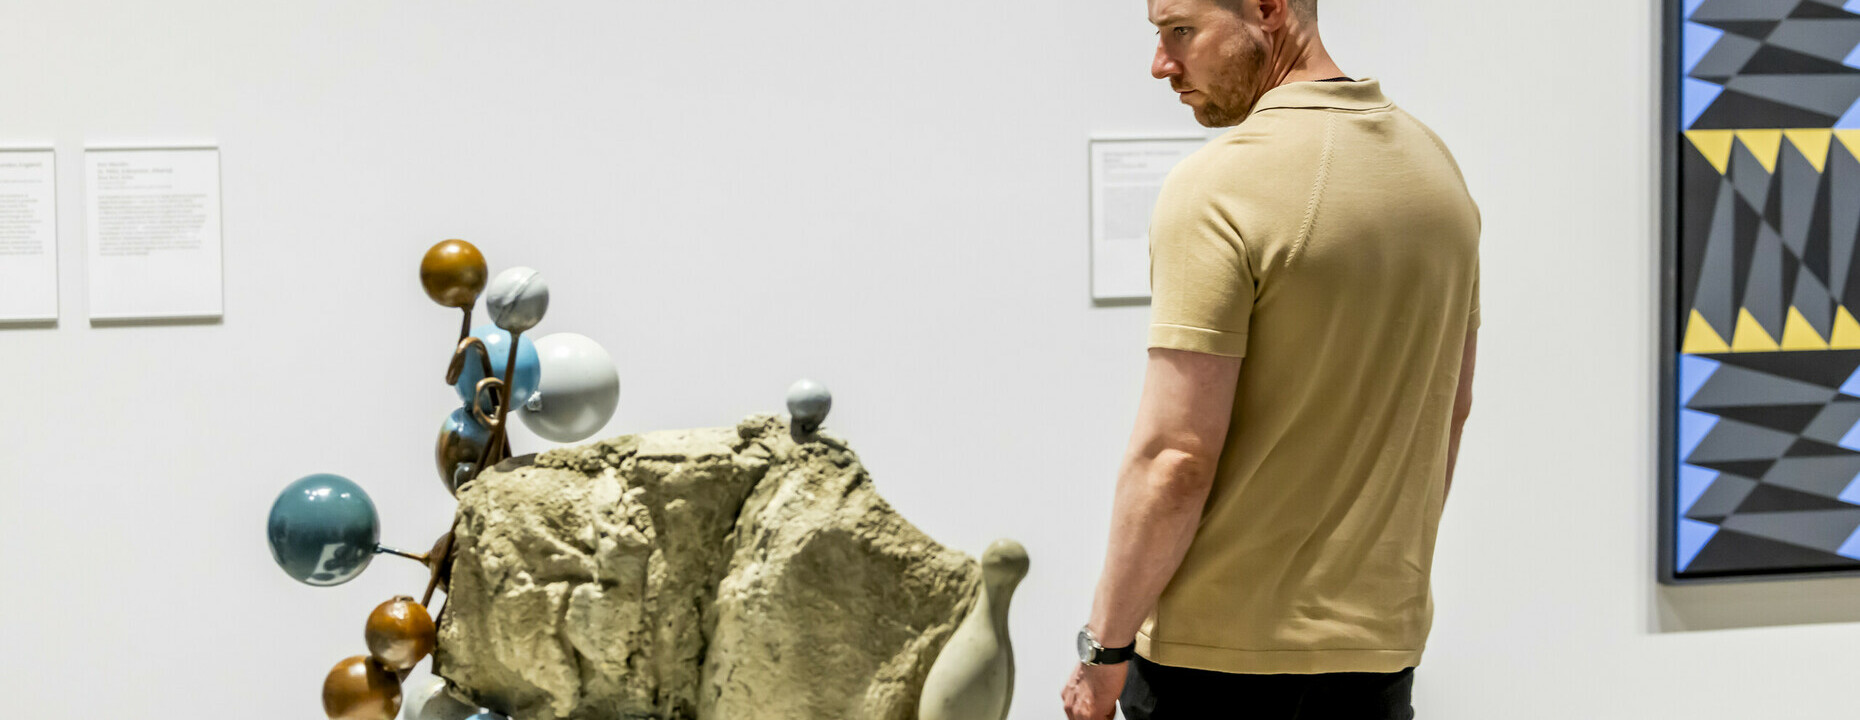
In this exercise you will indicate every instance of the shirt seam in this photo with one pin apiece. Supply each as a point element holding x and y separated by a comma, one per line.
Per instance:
<point>1328,108</point>
<point>1192,327</point>
<point>1317,192</point>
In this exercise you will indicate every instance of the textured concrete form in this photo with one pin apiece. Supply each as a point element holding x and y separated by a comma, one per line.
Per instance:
<point>720,573</point>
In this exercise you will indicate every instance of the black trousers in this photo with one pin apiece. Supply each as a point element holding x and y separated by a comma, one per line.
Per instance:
<point>1161,692</point>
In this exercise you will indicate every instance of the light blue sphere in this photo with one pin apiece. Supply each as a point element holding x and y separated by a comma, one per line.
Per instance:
<point>323,530</point>
<point>497,341</point>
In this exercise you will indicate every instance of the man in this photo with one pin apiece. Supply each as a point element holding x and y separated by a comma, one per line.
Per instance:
<point>1274,526</point>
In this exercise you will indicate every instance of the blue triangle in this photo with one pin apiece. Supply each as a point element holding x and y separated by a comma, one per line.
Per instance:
<point>1693,372</point>
<point>1692,538</point>
<point>1850,120</point>
<point>1697,41</point>
<point>1852,494</point>
<point>1693,427</point>
<point>1693,482</point>
<point>1852,386</point>
<point>1853,58</point>
<point>1692,6</point>
<point>1694,97</point>
<point>1852,6</point>
<point>1851,440</point>
<point>1851,548</point>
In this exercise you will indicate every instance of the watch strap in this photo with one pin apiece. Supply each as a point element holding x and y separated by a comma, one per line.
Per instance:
<point>1113,656</point>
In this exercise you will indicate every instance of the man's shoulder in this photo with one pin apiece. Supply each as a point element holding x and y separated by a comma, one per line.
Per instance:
<point>1253,158</point>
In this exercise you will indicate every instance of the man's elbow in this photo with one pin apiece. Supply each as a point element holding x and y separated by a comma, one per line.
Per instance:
<point>1462,408</point>
<point>1182,475</point>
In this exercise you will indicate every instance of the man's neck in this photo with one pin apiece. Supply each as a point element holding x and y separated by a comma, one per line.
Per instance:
<point>1301,57</point>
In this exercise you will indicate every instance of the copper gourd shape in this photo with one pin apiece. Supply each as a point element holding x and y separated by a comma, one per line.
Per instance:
<point>361,688</point>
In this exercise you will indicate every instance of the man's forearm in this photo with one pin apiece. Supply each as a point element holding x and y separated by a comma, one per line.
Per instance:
<point>1453,450</point>
<point>1157,508</point>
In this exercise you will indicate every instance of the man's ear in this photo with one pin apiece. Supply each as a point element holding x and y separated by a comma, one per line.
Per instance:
<point>1274,15</point>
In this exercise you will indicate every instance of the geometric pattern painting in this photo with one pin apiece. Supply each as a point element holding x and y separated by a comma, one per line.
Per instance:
<point>1768,479</point>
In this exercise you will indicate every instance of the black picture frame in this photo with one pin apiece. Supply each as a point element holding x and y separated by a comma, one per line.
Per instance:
<point>1669,142</point>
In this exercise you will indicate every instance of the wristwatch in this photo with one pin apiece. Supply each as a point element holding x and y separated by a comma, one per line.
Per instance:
<point>1091,652</point>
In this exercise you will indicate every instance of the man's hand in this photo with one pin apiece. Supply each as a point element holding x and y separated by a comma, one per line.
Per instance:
<point>1091,693</point>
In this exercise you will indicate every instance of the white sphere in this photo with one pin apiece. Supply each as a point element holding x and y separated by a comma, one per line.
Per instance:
<point>428,700</point>
<point>579,390</point>
<point>517,299</point>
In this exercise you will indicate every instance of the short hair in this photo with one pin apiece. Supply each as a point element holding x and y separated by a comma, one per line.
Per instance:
<point>1306,9</point>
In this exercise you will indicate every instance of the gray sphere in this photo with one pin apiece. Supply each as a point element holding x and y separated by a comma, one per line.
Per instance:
<point>517,299</point>
<point>808,402</point>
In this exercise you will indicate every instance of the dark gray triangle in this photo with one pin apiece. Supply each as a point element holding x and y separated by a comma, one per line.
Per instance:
<point>1824,530</point>
<point>1743,10</point>
<point>1733,440</point>
<point>1843,215</point>
<point>1734,553</point>
<point>1735,110</point>
<point>1804,447</point>
<point>1733,386</point>
<point>1763,286</point>
<point>1791,268</point>
<point>1704,193</point>
<point>1831,426</point>
<point>1776,498</point>
<point>1798,188</point>
<point>1827,368</point>
<point>1748,28</point>
<point>1740,468</point>
<point>1832,9</point>
<point>1816,305</point>
<point>1815,258</point>
<point>1722,498</point>
<point>1823,94</point>
<point>1726,57</point>
<point>1778,61</point>
<point>1749,177</point>
<point>1828,39</point>
<point>1792,419</point>
<point>1717,278</point>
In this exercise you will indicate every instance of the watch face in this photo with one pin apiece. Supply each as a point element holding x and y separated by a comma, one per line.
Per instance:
<point>1085,647</point>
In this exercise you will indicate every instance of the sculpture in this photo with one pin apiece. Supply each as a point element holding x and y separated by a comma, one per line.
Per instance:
<point>973,678</point>
<point>709,574</point>
<point>323,529</point>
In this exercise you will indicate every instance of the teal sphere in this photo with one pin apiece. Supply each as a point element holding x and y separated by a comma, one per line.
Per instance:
<point>323,530</point>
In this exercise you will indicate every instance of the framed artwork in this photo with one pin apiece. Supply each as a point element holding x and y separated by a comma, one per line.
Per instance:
<point>1760,391</point>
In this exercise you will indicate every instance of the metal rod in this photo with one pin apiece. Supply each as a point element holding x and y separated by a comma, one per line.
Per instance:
<point>385,550</point>
<point>465,327</point>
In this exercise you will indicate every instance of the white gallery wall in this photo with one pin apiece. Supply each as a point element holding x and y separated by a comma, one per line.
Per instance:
<point>888,197</point>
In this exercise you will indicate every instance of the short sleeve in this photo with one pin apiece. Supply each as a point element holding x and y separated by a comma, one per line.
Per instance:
<point>1472,321</point>
<point>1201,282</point>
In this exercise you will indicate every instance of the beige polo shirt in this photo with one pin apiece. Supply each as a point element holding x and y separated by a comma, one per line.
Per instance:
<point>1330,240</point>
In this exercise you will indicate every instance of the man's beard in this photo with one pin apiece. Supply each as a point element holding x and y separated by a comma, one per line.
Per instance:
<point>1229,95</point>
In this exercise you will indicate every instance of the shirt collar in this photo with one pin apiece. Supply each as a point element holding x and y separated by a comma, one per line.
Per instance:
<point>1364,94</point>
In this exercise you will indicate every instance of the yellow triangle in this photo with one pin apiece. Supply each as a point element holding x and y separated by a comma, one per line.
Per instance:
<point>1813,144</point>
<point>1846,331</point>
<point>1799,335</point>
<point>1715,145</point>
<point>1850,138</point>
<point>1764,145</point>
<point>1751,337</point>
<point>1700,338</point>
